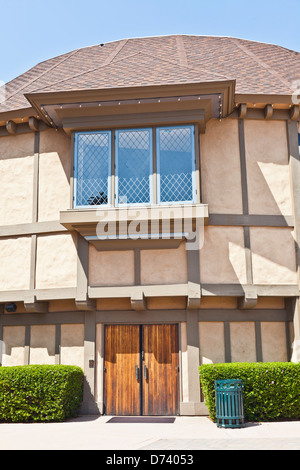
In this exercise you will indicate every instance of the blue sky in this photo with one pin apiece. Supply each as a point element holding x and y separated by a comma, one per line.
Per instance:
<point>34,31</point>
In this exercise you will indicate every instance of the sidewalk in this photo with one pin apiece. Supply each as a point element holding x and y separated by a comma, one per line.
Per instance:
<point>186,433</point>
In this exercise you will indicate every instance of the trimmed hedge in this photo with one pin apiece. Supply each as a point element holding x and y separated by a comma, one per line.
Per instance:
<point>40,393</point>
<point>271,389</point>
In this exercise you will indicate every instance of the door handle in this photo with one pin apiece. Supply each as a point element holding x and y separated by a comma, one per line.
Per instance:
<point>136,372</point>
<point>145,372</point>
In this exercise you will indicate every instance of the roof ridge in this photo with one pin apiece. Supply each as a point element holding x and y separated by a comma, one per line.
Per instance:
<point>244,48</point>
<point>83,73</point>
<point>106,62</point>
<point>70,54</point>
<point>181,51</point>
<point>118,49</point>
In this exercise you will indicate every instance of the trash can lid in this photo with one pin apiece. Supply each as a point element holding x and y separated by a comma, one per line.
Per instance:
<point>228,383</point>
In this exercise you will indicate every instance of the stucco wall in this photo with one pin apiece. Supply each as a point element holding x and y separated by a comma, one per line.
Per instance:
<point>211,339</point>
<point>13,353</point>
<point>220,167</point>
<point>164,266</point>
<point>242,342</point>
<point>54,174</point>
<point>17,176</point>
<point>56,261</point>
<point>222,257</point>
<point>42,344</point>
<point>168,266</point>
<point>16,179</point>
<point>72,345</point>
<point>268,175</point>
<point>15,255</point>
<point>111,268</point>
<point>273,255</point>
<point>267,166</point>
<point>273,341</point>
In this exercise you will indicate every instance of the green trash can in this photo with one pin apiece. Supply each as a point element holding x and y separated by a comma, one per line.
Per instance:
<point>229,403</point>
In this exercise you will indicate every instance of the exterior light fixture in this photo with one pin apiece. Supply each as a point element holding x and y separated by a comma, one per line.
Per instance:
<point>11,307</point>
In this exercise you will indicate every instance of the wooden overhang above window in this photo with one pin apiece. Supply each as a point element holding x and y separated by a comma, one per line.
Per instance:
<point>135,106</point>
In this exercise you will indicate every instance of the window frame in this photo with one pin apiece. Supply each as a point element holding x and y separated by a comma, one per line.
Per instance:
<point>109,172</point>
<point>154,167</point>
<point>158,166</point>
<point>116,188</point>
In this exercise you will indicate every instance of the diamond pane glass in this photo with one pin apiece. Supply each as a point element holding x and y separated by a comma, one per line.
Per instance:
<point>93,168</point>
<point>175,151</point>
<point>134,166</point>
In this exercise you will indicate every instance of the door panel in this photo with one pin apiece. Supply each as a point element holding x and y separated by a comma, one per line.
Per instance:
<point>141,370</point>
<point>121,357</point>
<point>161,376</point>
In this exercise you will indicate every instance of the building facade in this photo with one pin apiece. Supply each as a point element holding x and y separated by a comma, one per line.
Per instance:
<point>149,219</point>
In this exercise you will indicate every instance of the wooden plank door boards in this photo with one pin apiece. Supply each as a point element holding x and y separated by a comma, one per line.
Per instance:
<point>141,365</point>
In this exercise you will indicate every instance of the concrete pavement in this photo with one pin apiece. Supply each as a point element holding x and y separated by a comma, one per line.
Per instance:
<point>186,433</point>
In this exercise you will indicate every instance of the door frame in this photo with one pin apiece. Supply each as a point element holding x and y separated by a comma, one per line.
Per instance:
<point>141,324</point>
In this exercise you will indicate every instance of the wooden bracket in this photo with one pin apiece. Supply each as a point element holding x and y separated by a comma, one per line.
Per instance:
<point>33,123</point>
<point>294,113</point>
<point>11,127</point>
<point>249,300</point>
<point>33,306</point>
<point>86,304</point>
<point>138,301</point>
<point>268,111</point>
<point>194,296</point>
<point>242,110</point>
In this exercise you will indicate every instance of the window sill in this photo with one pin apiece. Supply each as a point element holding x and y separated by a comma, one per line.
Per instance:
<point>137,225</point>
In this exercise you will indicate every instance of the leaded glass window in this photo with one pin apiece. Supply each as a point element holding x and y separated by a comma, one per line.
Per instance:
<point>176,164</point>
<point>92,168</point>
<point>168,150</point>
<point>133,166</point>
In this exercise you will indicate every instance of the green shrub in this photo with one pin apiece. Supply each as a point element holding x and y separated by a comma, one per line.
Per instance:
<point>40,393</point>
<point>271,389</point>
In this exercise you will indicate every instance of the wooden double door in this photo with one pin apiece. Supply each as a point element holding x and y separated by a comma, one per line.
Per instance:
<point>141,370</point>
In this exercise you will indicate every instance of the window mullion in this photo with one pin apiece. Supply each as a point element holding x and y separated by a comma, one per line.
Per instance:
<point>154,157</point>
<point>113,166</point>
<point>197,165</point>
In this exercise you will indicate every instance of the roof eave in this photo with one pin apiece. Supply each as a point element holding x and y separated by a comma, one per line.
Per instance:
<point>41,101</point>
<point>22,113</point>
<point>259,98</point>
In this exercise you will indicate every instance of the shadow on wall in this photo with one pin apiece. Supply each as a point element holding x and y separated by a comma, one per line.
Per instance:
<point>266,192</point>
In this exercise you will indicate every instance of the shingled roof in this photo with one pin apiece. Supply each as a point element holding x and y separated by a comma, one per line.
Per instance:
<point>258,68</point>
